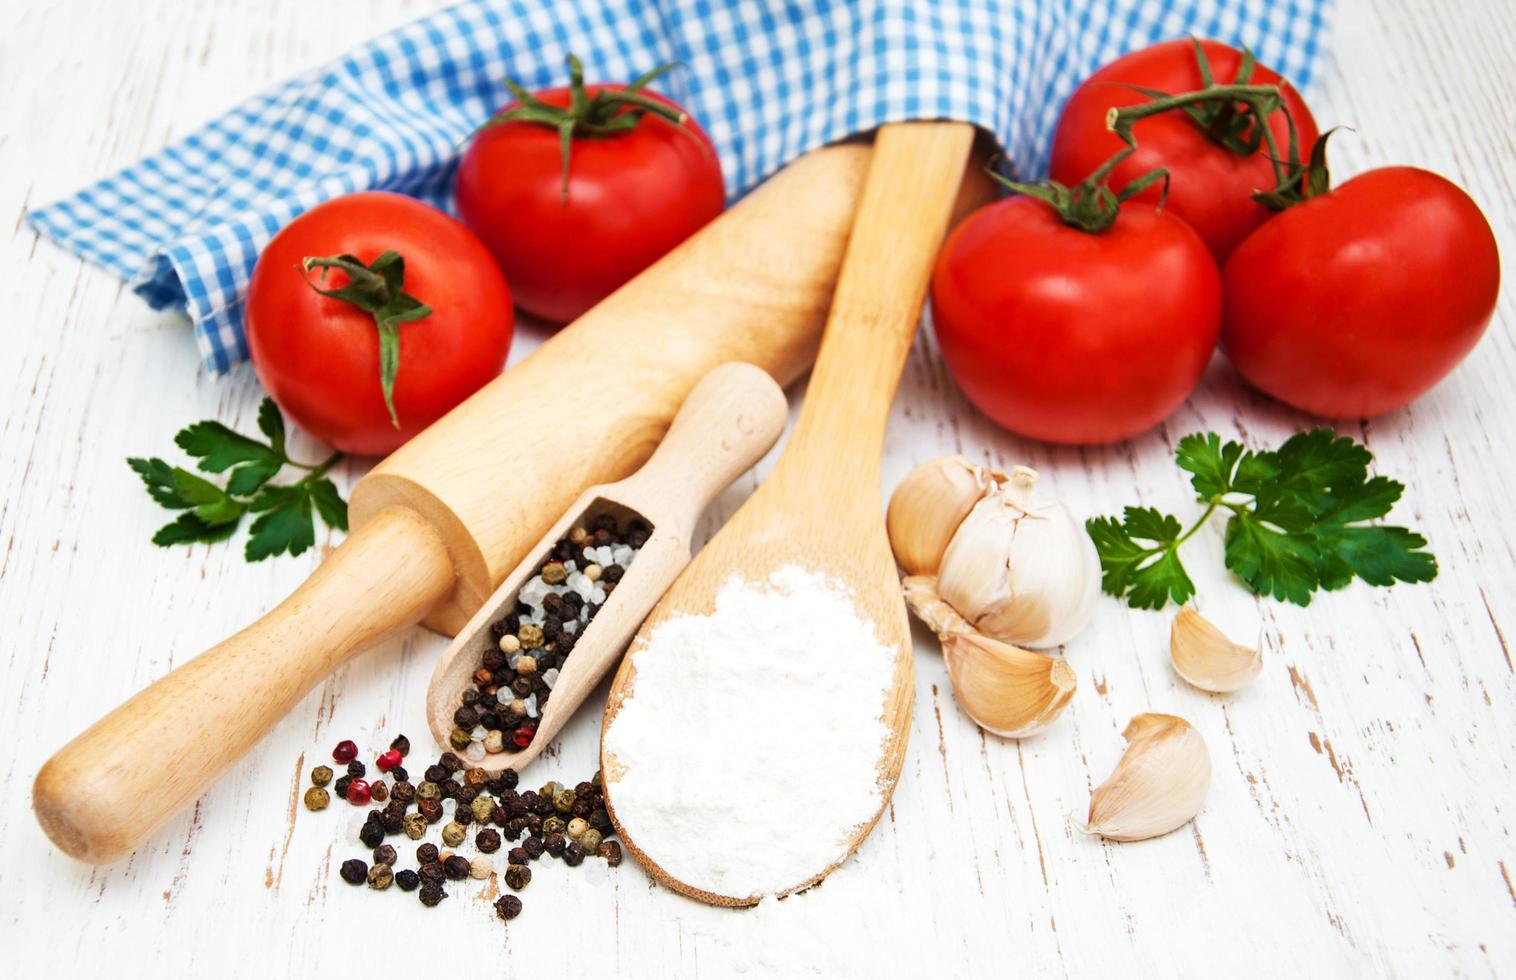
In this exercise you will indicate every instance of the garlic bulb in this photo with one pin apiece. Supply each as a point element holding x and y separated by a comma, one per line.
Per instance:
<point>1157,786</point>
<point>922,598</point>
<point>1006,690</point>
<point>1204,657</point>
<point>1020,567</point>
<point>929,505</point>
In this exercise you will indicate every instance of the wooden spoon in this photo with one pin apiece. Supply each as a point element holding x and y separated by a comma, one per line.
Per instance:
<point>729,420</point>
<point>820,508</point>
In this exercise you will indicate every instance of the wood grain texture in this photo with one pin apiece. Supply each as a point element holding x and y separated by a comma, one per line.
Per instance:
<point>1363,805</point>
<point>732,417</point>
<point>818,508</point>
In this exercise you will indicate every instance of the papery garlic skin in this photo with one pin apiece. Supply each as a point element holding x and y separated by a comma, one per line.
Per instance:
<point>929,607</point>
<point>1021,568</point>
<point>1008,691</point>
<point>929,504</point>
<point>1206,658</point>
<point>1157,786</point>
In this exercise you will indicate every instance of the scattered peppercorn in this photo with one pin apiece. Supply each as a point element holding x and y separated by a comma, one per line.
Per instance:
<point>403,792</point>
<point>589,841</point>
<point>518,855</point>
<point>508,907</point>
<point>379,792</point>
<point>357,769</point>
<point>321,775</point>
<point>385,854</point>
<point>456,867</point>
<point>407,880</point>
<point>402,745</point>
<point>573,855</point>
<point>553,825</point>
<point>399,775</point>
<point>554,844</point>
<point>430,809</point>
<point>380,877</point>
<point>354,871</point>
<point>509,778</point>
<point>372,832</point>
<point>432,894</point>
<point>459,739</point>
<point>317,798</point>
<point>601,821</point>
<point>429,791</point>
<point>534,847</point>
<point>481,867</point>
<point>339,788</point>
<point>346,751</point>
<point>611,851</point>
<point>483,806</point>
<point>576,828</point>
<point>414,825</point>
<point>487,841</point>
<point>453,834</point>
<point>358,793</point>
<point>518,876</point>
<point>393,823</point>
<point>564,801</point>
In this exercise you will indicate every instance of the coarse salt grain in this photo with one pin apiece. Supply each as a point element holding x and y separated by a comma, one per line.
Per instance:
<point>745,757</point>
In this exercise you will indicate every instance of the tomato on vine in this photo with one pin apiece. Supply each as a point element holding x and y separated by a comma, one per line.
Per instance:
<point>577,189</point>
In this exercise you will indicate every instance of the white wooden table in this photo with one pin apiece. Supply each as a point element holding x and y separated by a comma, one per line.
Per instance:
<point>1364,797</point>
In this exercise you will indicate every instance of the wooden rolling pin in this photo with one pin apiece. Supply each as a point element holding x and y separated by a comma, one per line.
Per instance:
<point>437,525</point>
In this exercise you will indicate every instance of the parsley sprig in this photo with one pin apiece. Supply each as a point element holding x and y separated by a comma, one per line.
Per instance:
<point>1297,523</point>
<point>212,512</point>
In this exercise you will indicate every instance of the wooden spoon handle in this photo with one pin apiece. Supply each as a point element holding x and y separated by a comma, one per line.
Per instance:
<point>111,788</point>
<point>730,419</point>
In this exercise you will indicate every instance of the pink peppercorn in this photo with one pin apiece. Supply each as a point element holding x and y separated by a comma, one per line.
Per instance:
<point>359,793</point>
<point>346,751</point>
<point>388,760</point>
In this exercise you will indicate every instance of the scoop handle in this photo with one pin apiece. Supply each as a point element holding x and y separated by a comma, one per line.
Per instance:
<point>112,787</point>
<point>725,425</point>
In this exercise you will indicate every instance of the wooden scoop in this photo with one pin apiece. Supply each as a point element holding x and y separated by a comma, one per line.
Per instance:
<point>820,508</point>
<point>730,419</point>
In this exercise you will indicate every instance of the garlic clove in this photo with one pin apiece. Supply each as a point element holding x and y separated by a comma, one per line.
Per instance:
<point>1007,690</point>
<point>1204,657</point>
<point>929,504</point>
<point>1157,786</point>
<point>1021,568</point>
<point>929,607</point>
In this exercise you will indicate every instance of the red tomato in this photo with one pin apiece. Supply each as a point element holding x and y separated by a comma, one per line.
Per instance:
<point>1355,302</point>
<point>1209,185</point>
<point>632,197</point>
<point>319,356</point>
<point>1069,336</point>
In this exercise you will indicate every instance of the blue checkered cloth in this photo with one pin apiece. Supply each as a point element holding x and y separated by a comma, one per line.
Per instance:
<point>768,80</point>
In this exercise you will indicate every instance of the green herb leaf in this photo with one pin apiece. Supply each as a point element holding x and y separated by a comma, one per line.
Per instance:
<point>1296,524</point>
<point>212,513</point>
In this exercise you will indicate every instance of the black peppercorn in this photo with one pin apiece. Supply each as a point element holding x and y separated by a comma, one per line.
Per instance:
<point>399,775</point>
<point>432,894</point>
<point>498,816</point>
<point>463,816</point>
<point>509,778</point>
<point>372,834</point>
<point>402,745</point>
<point>450,761</point>
<point>431,872</point>
<point>393,823</point>
<point>436,774</point>
<point>430,809</point>
<point>515,827</point>
<point>584,790</point>
<point>379,792</point>
<point>395,806</point>
<point>456,867</point>
<point>466,718</point>
<point>543,807</point>
<point>573,855</point>
<point>448,789</point>
<point>407,880</point>
<point>385,854</point>
<point>470,697</point>
<point>521,686</point>
<point>518,855</point>
<point>465,795</point>
<point>493,659</point>
<point>554,844</point>
<point>508,907</point>
<point>611,851</point>
<point>491,721</point>
<point>426,854</point>
<point>582,808</point>
<point>402,792</point>
<point>357,769</point>
<point>487,841</point>
<point>534,847</point>
<point>600,820</point>
<point>354,871</point>
<point>339,788</point>
<point>533,823</point>
<point>518,876</point>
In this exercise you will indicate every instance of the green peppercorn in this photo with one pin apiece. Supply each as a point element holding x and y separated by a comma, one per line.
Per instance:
<point>483,806</point>
<point>517,876</point>
<point>530,636</point>
<point>576,828</point>
<point>415,826</point>
<point>428,790</point>
<point>564,801</point>
<point>595,779</point>
<point>548,789</point>
<point>459,739</point>
<point>553,573</point>
<point>553,825</point>
<point>454,834</point>
<point>589,840</point>
<point>611,851</point>
<point>317,798</point>
<point>321,775</point>
<point>380,877</point>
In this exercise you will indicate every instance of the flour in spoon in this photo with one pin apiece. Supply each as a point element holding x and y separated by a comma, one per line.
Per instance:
<point>746,756</point>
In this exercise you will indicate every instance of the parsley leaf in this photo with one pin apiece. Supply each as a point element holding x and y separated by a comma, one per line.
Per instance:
<point>1296,523</point>
<point>213,513</point>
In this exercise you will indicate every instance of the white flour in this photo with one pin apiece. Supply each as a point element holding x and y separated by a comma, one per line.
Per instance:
<point>751,738</point>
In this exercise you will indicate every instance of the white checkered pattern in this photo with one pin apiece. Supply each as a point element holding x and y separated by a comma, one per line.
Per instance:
<point>769,81</point>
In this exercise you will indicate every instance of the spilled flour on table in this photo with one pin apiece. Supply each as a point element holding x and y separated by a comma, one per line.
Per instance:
<point>747,751</point>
